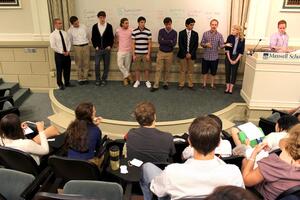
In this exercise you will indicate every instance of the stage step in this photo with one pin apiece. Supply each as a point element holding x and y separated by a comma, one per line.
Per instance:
<point>61,121</point>
<point>19,94</point>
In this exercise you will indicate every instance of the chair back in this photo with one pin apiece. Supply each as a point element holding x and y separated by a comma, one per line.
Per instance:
<point>234,160</point>
<point>18,160</point>
<point>54,196</point>
<point>94,189</point>
<point>13,183</point>
<point>72,169</point>
<point>266,125</point>
<point>179,147</point>
<point>292,193</point>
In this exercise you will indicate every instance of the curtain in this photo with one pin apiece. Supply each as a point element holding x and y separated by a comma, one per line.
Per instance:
<point>239,13</point>
<point>61,9</point>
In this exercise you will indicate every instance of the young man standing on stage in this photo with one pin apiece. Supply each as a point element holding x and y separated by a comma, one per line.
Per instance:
<point>188,45</point>
<point>167,38</point>
<point>103,40</point>
<point>211,41</point>
<point>79,37</point>
<point>60,43</point>
<point>124,42</point>
<point>141,47</point>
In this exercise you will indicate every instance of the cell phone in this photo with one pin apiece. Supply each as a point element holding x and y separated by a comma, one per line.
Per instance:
<point>29,122</point>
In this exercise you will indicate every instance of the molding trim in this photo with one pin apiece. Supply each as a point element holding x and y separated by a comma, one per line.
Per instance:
<point>23,37</point>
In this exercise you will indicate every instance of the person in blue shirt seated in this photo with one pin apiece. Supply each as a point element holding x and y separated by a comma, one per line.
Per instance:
<point>84,135</point>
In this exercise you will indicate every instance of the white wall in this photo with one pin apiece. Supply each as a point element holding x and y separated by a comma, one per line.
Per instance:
<point>155,11</point>
<point>263,18</point>
<point>30,22</point>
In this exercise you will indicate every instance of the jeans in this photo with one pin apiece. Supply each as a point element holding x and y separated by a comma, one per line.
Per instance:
<point>149,171</point>
<point>105,55</point>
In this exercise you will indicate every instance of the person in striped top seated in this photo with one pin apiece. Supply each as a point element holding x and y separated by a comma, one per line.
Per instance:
<point>141,47</point>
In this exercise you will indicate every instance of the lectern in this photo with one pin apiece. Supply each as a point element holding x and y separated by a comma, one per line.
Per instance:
<point>272,80</point>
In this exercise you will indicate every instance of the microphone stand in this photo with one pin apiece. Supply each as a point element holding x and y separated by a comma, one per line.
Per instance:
<point>253,51</point>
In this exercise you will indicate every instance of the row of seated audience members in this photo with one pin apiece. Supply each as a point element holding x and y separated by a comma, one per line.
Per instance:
<point>199,175</point>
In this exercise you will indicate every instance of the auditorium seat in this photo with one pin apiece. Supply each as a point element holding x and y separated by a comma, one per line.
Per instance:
<point>235,160</point>
<point>20,161</point>
<point>94,189</point>
<point>7,106</point>
<point>11,158</point>
<point>292,193</point>
<point>14,183</point>
<point>66,169</point>
<point>54,196</point>
<point>268,124</point>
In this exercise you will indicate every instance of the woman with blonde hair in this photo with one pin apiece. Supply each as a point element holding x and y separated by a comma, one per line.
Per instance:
<point>234,54</point>
<point>275,174</point>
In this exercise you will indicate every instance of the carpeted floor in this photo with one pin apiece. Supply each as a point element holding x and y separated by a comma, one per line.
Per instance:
<point>36,107</point>
<point>117,102</point>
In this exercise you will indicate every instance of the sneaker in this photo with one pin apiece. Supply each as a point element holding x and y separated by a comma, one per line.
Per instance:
<point>148,84</point>
<point>136,84</point>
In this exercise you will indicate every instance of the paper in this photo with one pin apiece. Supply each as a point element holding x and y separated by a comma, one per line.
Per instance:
<point>123,169</point>
<point>27,131</point>
<point>136,162</point>
<point>251,131</point>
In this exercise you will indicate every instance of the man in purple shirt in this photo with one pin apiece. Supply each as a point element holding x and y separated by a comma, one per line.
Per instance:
<point>167,38</point>
<point>211,41</point>
<point>279,40</point>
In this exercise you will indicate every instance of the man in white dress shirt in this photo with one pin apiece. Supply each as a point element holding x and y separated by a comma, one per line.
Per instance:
<point>198,176</point>
<point>79,36</point>
<point>60,43</point>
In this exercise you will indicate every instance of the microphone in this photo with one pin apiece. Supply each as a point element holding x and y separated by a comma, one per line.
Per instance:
<point>253,50</point>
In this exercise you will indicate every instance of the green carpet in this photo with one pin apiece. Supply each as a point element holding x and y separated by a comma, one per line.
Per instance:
<point>117,102</point>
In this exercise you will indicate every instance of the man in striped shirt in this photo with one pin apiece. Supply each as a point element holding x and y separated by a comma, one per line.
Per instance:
<point>141,47</point>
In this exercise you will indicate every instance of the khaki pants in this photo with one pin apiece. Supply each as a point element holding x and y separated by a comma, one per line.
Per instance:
<point>163,62</point>
<point>186,65</point>
<point>141,58</point>
<point>82,61</point>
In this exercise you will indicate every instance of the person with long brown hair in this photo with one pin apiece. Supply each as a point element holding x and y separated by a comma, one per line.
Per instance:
<point>234,54</point>
<point>83,134</point>
<point>275,174</point>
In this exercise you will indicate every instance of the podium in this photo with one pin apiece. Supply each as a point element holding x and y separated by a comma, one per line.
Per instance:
<point>271,80</point>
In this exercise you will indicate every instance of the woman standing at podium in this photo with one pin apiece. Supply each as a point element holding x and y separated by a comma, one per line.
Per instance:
<point>234,54</point>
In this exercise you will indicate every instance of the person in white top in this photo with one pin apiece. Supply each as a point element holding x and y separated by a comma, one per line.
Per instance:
<point>224,149</point>
<point>79,36</point>
<point>123,41</point>
<point>60,43</point>
<point>198,176</point>
<point>12,135</point>
<point>283,125</point>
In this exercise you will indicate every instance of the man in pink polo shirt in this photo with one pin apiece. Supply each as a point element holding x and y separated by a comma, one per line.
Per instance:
<point>279,41</point>
<point>124,41</point>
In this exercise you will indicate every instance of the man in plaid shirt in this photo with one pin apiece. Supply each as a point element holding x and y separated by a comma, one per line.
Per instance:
<point>211,41</point>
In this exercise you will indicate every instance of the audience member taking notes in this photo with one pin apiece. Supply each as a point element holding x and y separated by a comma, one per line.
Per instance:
<point>12,135</point>
<point>275,174</point>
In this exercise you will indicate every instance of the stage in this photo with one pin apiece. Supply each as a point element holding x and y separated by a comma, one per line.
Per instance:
<point>115,103</point>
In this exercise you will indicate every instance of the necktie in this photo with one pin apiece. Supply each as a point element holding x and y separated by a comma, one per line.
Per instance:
<point>63,41</point>
<point>188,40</point>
